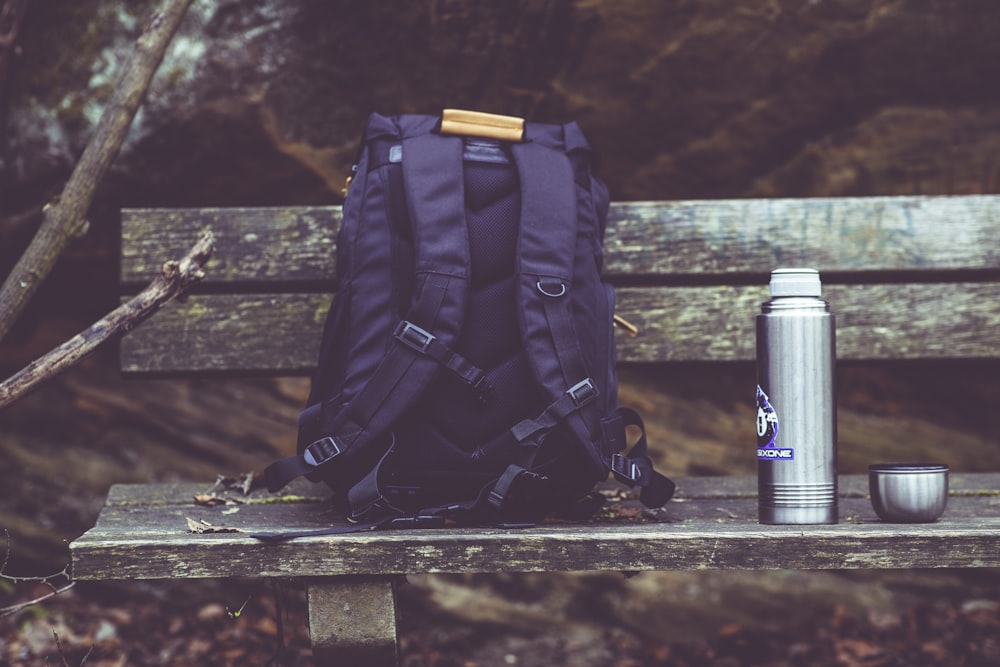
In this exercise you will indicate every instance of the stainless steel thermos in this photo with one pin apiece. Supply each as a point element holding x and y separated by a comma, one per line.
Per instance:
<point>796,411</point>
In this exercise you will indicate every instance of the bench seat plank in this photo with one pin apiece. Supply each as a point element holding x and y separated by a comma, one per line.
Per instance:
<point>280,333</point>
<point>143,533</point>
<point>649,239</point>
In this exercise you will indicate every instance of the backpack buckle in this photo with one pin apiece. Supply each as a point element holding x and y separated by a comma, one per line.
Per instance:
<point>625,470</point>
<point>582,392</point>
<point>321,451</point>
<point>413,336</point>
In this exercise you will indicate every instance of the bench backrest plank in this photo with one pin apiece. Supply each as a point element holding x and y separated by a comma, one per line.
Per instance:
<point>651,239</point>
<point>909,277</point>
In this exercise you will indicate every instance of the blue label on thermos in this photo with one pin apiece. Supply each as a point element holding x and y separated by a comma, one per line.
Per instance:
<point>767,431</point>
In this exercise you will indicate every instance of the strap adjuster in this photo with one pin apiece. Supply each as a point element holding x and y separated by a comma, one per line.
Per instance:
<point>625,469</point>
<point>582,392</point>
<point>321,451</point>
<point>413,336</point>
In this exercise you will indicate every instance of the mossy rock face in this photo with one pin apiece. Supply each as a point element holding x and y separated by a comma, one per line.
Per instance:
<point>264,101</point>
<point>70,57</point>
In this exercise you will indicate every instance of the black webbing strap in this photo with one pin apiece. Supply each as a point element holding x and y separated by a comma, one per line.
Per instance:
<point>281,472</point>
<point>399,359</point>
<point>426,343</point>
<point>366,499</point>
<point>529,433</point>
<point>636,468</point>
<point>417,521</point>
<point>514,475</point>
<point>388,376</point>
<point>528,430</point>
<point>558,314</point>
<point>339,529</point>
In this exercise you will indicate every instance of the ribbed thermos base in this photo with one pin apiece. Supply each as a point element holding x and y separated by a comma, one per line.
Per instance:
<point>798,503</point>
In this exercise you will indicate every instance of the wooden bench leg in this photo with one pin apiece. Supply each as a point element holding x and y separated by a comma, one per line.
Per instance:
<point>352,620</point>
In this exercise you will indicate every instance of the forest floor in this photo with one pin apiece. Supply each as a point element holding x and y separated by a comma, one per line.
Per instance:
<point>224,623</point>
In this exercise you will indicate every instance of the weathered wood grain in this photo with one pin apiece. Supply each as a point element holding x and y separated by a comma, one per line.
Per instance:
<point>352,620</point>
<point>693,238</point>
<point>280,333</point>
<point>885,321</point>
<point>135,540</point>
<point>252,244</point>
<point>843,234</point>
<point>277,333</point>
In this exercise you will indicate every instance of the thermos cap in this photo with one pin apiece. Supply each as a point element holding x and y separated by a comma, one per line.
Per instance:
<point>795,282</point>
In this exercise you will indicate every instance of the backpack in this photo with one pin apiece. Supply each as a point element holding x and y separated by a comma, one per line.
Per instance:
<point>467,365</point>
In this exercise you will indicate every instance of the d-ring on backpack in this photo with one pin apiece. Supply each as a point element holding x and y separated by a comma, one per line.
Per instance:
<point>467,366</point>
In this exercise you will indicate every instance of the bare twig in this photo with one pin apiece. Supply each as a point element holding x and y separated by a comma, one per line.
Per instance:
<point>176,277</point>
<point>64,218</point>
<point>47,580</point>
<point>21,606</point>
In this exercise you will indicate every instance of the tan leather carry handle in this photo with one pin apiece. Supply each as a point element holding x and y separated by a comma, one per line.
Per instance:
<point>479,124</point>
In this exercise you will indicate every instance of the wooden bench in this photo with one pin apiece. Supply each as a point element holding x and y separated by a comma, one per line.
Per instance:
<point>909,278</point>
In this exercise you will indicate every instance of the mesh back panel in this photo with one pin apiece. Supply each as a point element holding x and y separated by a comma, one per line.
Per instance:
<point>450,422</point>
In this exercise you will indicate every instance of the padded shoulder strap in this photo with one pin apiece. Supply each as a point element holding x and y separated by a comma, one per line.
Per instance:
<point>432,174</point>
<point>546,252</point>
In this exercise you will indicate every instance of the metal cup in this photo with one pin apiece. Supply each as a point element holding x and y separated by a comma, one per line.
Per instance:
<point>908,492</point>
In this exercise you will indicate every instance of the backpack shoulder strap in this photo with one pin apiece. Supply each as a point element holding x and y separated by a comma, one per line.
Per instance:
<point>546,256</point>
<point>432,174</point>
<point>546,253</point>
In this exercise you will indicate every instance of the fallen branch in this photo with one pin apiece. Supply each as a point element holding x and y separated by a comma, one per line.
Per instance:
<point>64,218</point>
<point>177,277</point>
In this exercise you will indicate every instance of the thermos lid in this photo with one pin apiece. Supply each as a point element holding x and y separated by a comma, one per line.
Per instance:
<point>795,282</point>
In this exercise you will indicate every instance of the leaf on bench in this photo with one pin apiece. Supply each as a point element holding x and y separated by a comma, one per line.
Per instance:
<point>211,500</point>
<point>204,527</point>
<point>246,483</point>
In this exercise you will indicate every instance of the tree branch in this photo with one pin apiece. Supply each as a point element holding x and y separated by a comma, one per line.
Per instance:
<point>64,218</point>
<point>176,277</point>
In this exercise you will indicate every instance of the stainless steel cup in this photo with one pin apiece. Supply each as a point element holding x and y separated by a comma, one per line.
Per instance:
<point>908,492</point>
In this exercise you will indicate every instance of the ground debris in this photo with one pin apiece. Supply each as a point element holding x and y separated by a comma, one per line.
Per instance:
<point>235,623</point>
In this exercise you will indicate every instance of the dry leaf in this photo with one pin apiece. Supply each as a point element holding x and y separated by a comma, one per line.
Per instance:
<point>203,527</point>
<point>208,499</point>
<point>244,483</point>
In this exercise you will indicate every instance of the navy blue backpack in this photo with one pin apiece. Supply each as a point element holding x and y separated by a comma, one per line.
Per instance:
<point>467,366</point>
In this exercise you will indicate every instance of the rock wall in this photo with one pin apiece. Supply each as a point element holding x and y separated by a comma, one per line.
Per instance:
<point>262,101</point>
